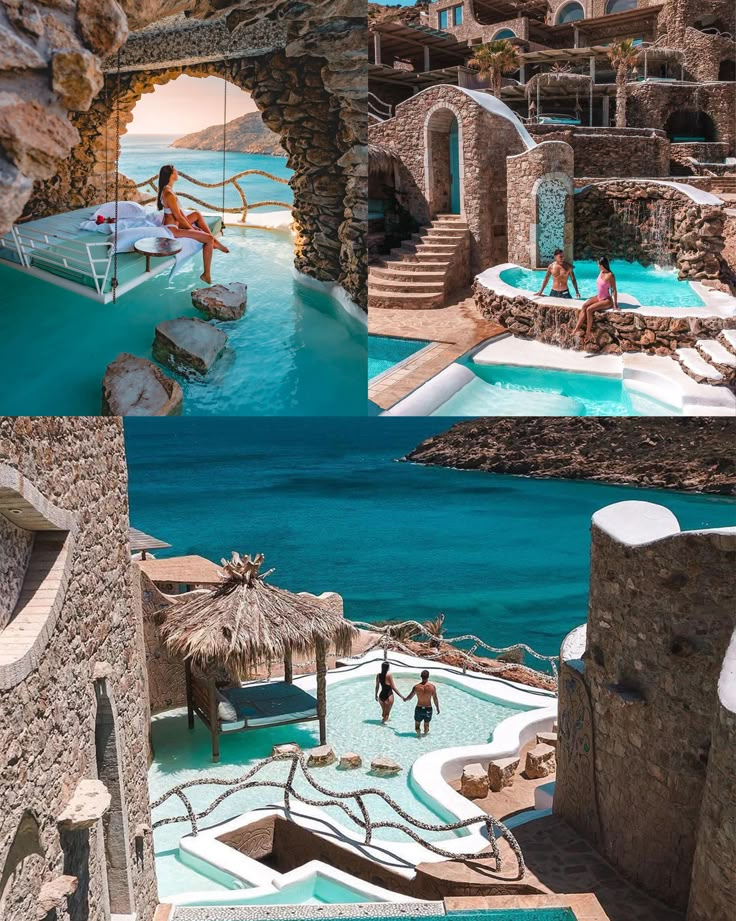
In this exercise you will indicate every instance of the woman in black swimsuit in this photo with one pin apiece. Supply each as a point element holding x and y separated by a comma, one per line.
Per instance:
<point>385,696</point>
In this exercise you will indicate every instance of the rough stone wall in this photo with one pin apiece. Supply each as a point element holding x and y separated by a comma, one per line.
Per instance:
<point>15,551</point>
<point>659,621</point>
<point>614,331</point>
<point>651,104</point>
<point>649,223</point>
<point>47,721</point>
<point>703,52</point>
<point>486,141</point>
<point>611,151</point>
<point>703,152</point>
<point>526,172</point>
<point>471,28</point>
<point>713,890</point>
<point>166,684</point>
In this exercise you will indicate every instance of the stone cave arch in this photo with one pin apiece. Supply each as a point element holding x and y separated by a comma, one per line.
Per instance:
<point>444,170</point>
<point>21,863</point>
<point>685,124</point>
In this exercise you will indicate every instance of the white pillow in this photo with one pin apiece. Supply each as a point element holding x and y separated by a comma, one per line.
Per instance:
<point>225,710</point>
<point>94,227</point>
<point>125,209</point>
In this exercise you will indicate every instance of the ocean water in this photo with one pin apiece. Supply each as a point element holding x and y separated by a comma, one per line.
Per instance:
<point>143,155</point>
<point>503,557</point>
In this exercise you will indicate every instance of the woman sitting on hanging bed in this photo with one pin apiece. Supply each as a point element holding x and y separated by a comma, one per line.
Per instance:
<point>191,224</point>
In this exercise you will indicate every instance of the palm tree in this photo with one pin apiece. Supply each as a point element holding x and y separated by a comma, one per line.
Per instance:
<point>493,60</point>
<point>434,629</point>
<point>623,55</point>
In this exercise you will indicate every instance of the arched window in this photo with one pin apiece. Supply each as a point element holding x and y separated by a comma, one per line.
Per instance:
<point>504,33</point>
<point>570,12</point>
<point>618,6</point>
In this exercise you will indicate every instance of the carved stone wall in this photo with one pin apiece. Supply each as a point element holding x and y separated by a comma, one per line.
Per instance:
<point>611,151</point>
<point>48,717</point>
<point>485,141</point>
<point>540,203</point>
<point>659,623</point>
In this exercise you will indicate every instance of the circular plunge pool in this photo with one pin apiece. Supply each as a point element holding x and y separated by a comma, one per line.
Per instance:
<point>650,285</point>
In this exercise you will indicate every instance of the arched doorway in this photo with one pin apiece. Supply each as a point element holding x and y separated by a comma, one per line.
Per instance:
<point>444,163</point>
<point>115,823</point>
<point>727,71</point>
<point>688,126</point>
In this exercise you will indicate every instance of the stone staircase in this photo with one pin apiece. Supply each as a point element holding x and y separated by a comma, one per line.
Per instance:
<point>425,269</point>
<point>712,361</point>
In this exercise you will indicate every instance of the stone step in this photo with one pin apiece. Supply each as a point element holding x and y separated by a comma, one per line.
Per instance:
<point>400,301</point>
<point>412,271</point>
<point>443,223</point>
<point>715,353</point>
<point>450,217</point>
<point>693,364</point>
<point>392,284</point>
<point>442,233</point>
<point>426,265</point>
<point>727,338</point>
<point>423,255</point>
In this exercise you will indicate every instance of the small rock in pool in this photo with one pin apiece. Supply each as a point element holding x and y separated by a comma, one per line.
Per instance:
<point>322,756</point>
<point>350,760</point>
<point>385,766</point>
<point>188,342</point>
<point>222,302</point>
<point>135,386</point>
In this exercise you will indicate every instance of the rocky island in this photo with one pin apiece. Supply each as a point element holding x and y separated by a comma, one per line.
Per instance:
<point>246,134</point>
<point>691,454</point>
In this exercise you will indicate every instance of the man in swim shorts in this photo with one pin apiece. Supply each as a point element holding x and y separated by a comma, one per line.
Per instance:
<point>426,694</point>
<point>560,271</point>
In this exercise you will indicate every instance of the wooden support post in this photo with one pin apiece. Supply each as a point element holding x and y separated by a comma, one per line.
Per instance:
<point>377,47</point>
<point>190,700</point>
<point>288,667</point>
<point>321,650</point>
<point>213,717</point>
<point>427,68</point>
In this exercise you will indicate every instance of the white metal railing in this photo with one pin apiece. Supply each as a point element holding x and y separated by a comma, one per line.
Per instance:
<point>379,109</point>
<point>152,181</point>
<point>49,249</point>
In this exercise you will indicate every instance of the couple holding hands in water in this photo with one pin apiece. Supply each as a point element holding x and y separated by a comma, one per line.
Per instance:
<point>425,693</point>
<point>561,271</point>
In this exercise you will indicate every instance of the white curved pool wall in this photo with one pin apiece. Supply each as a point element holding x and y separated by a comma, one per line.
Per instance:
<point>310,876</point>
<point>654,376</point>
<point>336,292</point>
<point>430,776</point>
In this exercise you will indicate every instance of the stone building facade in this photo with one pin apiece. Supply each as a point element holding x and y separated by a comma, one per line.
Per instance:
<point>305,70</point>
<point>418,135</point>
<point>644,727</point>
<point>75,827</point>
<point>601,152</point>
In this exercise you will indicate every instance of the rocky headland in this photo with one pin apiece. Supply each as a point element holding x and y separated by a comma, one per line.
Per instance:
<point>689,454</point>
<point>246,134</point>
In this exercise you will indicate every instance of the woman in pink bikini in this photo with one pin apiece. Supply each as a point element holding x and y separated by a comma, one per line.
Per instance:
<point>606,298</point>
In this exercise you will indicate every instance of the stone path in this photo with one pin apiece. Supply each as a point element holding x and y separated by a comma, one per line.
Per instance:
<point>452,330</point>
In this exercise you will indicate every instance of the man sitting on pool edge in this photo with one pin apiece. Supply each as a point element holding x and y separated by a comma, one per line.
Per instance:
<point>561,270</point>
<point>426,693</point>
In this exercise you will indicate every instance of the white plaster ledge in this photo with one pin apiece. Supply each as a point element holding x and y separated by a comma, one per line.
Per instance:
<point>336,292</point>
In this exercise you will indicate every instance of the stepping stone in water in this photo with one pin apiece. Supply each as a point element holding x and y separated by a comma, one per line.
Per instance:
<point>540,762</point>
<point>474,782</point>
<point>222,302</point>
<point>135,386</point>
<point>188,342</point>
<point>501,773</point>
<point>288,748</point>
<point>386,767</point>
<point>322,756</point>
<point>350,760</point>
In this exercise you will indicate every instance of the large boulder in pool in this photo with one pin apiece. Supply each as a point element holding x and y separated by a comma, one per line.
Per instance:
<point>222,302</point>
<point>385,767</point>
<point>137,387</point>
<point>188,342</point>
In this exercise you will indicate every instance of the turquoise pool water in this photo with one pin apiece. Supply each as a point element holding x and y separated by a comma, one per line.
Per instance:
<point>384,352</point>
<point>317,890</point>
<point>505,390</point>
<point>295,352</point>
<point>353,724</point>
<point>650,285</point>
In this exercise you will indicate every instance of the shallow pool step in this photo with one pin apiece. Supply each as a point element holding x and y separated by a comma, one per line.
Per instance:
<point>727,338</point>
<point>693,364</point>
<point>715,353</point>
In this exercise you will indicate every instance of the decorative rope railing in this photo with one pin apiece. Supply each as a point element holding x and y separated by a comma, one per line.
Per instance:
<point>337,799</point>
<point>232,180</point>
<point>379,109</point>
<point>387,639</point>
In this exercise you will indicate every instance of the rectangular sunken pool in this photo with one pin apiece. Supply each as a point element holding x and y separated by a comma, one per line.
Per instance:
<point>507,390</point>
<point>650,285</point>
<point>385,352</point>
<point>408,912</point>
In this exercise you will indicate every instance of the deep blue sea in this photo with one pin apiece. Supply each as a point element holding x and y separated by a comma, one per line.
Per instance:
<point>143,155</point>
<point>504,557</point>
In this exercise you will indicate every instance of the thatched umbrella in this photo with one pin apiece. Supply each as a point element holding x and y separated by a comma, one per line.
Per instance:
<point>381,160</point>
<point>245,620</point>
<point>659,55</point>
<point>561,79</point>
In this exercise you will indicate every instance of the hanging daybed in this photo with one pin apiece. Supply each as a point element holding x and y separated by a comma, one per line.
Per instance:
<point>243,622</point>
